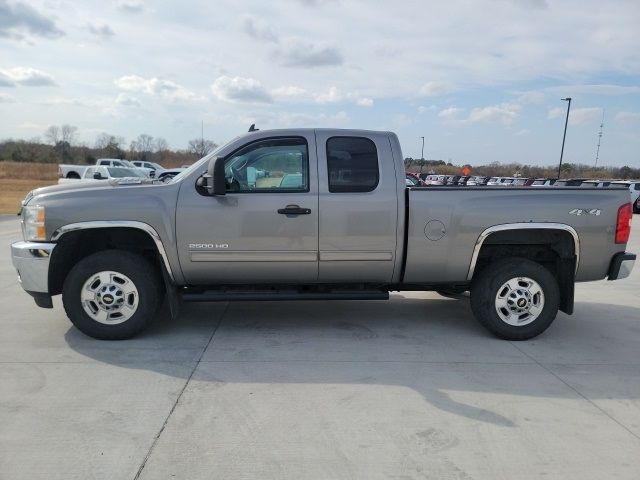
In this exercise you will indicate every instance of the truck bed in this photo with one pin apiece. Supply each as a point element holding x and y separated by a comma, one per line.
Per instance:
<point>444,225</point>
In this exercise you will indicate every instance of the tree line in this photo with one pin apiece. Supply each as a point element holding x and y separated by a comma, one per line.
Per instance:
<point>59,144</point>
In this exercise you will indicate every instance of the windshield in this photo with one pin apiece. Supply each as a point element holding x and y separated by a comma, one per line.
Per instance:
<point>128,163</point>
<point>200,164</point>
<point>121,172</point>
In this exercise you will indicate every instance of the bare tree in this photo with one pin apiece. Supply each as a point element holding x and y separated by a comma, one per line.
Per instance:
<point>201,147</point>
<point>145,143</point>
<point>142,146</point>
<point>68,133</point>
<point>110,145</point>
<point>161,145</point>
<point>52,134</point>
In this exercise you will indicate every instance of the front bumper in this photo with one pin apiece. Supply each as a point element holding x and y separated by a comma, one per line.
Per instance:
<point>621,265</point>
<point>31,260</point>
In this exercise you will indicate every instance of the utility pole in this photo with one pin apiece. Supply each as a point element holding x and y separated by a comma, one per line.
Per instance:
<point>422,155</point>
<point>599,139</point>
<point>568,99</point>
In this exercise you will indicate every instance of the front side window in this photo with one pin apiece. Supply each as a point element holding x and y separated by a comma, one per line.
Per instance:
<point>352,163</point>
<point>271,165</point>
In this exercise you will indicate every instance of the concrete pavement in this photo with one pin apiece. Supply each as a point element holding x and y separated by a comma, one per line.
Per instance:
<point>410,388</point>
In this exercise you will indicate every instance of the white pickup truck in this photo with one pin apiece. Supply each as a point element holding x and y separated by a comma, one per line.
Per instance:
<point>72,171</point>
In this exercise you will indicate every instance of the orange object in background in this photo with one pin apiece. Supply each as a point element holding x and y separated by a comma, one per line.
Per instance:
<point>466,171</point>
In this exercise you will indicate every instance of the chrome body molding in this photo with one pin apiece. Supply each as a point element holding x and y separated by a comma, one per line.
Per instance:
<point>72,227</point>
<point>522,226</point>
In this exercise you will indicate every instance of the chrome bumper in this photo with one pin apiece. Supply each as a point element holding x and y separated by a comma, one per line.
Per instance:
<point>621,266</point>
<point>31,260</point>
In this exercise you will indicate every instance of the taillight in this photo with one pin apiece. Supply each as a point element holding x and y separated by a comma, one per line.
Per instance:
<point>623,225</point>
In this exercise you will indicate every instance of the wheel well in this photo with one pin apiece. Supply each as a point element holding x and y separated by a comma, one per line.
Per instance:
<point>554,249</point>
<point>74,246</point>
<point>73,175</point>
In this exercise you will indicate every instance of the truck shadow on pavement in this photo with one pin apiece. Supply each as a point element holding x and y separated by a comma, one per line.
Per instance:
<point>430,346</point>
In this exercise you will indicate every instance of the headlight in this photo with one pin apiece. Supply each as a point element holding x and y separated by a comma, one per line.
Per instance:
<point>33,223</point>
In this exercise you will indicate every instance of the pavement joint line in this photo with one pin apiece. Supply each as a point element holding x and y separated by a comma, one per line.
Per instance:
<point>426,362</point>
<point>182,390</point>
<point>580,394</point>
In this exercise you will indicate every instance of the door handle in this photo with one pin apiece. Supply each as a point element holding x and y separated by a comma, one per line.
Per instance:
<point>294,210</point>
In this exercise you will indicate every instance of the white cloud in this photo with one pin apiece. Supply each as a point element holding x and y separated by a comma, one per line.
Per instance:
<point>556,112</point>
<point>291,92</point>
<point>627,117</point>
<point>27,76</point>
<point>581,116</point>
<point>524,131</point>
<point>504,113</point>
<point>450,113</point>
<point>577,116</point>
<point>155,87</point>
<point>239,89</point>
<point>332,95</point>
<point>364,102</point>
<point>433,89</point>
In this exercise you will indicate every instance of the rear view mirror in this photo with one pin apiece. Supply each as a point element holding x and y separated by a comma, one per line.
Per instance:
<point>214,181</point>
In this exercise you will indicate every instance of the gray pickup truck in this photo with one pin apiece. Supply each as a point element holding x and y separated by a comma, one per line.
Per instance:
<point>314,214</point>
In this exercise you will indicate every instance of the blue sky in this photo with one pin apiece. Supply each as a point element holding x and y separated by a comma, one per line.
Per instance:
<point>481,81</point>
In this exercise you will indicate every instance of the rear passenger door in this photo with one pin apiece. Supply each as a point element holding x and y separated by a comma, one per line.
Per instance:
<point>358,202</point>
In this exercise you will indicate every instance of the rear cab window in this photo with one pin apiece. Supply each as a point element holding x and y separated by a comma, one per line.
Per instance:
<point>352,164</point>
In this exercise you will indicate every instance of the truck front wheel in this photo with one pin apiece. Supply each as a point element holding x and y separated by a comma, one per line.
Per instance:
<point>515,298</point>
<point>112,294</point>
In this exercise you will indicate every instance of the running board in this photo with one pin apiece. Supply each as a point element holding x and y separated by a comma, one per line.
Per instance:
<point>268,295</point>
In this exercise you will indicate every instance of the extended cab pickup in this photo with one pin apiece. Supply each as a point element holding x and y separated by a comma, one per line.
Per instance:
<point>333,219</point>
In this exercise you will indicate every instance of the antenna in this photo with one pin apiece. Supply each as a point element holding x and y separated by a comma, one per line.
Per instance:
<point>599,139</point>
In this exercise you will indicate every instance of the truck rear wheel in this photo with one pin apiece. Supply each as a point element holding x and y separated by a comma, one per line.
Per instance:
<point>112,294</point>
<point>515,298</point>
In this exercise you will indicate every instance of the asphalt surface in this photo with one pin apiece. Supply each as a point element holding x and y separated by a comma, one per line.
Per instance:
<point>411,388</point>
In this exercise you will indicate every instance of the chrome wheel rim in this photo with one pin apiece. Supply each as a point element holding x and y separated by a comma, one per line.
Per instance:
<point>109,297</point>
<point>519,301</point>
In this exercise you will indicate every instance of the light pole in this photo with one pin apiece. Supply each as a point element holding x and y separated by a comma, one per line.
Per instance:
<point>422,155</point>
<point>564,136</point>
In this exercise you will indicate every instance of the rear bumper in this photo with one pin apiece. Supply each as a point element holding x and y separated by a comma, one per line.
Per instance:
<point>31,260</point>
<point>621,265</point>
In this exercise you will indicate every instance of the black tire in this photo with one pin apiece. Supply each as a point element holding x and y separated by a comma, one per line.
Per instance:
<point>73,175</point>
<point>484,291</point>
<point>144,275</point>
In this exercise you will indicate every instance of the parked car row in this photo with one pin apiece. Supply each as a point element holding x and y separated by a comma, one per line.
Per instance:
<point>423,179</point>
<point>138,167</point>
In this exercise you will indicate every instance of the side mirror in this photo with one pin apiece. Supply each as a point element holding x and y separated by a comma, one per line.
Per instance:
<point>214,180</point>
<point>97,176</point>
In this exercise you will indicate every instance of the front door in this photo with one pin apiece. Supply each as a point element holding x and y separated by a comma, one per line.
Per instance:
<point>265,229</point>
